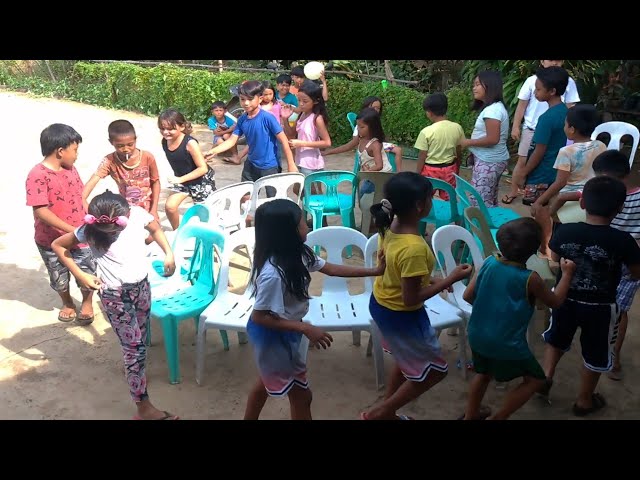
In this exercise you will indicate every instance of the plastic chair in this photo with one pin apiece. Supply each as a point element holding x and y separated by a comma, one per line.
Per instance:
<point>335,309</point>
<point>332,202</point>
<point>280,182</point>
<point>191,301</point>
<point>229,311</point>
<point>616,131</point>
<point>495,216</point>
<point>392,160</point>
<point>225,208</point>
<point>443,212</point>
<point>571,212</point>
<point>477,224</point>
<point>351,116</point>
<point>378,179</point>
<point>441,313</point>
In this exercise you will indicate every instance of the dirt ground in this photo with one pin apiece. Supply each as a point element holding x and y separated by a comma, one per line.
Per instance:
<point>52,370</point>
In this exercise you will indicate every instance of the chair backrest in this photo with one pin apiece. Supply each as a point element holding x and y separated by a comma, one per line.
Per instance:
<point>210,242</point>
<point>464,190</point>
<point>617,130</point>
<point>351,116</point>
<point>392,161</point>
<point>240,238</point>
<point>228,198</point>
<point>443,240</point>
<point>331,179</point>
<point>199,210</point>
<point>281,183</point>
<point>442,185</point>
<point>378,179</point>
<point>370,256</point>
<point>480,228</point>
<point>334,240</point>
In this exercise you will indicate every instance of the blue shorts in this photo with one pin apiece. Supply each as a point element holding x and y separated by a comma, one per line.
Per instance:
<point>367,186</point>
<point>410,338</point>
<point>277,353</point>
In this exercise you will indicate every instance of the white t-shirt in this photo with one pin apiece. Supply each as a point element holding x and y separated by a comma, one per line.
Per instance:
<point>126,260</point>
<point>272,294</point>
<point>536,108</point>
<point>498,152</point>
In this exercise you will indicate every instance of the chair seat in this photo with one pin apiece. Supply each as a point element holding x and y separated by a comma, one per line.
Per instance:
<point>441,213</point>
<point>500,216</point>
<point>229,311</point>
<point>441,313</point>
<point>185,303</point>
<point>331,204</point>
<point>337,311</point>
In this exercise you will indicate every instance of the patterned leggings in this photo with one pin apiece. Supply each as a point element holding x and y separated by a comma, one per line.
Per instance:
<point>485,179</point>
<point>128,308</point>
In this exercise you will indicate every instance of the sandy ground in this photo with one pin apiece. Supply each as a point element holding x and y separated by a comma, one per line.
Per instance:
<point>51,370</point>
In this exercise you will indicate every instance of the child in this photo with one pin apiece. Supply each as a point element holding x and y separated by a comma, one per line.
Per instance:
<point>222,126</point>
<point>397,301</point>
<point>371,155</point>
<point>439,151</point>
<point>115,233</point>
<point>280,280</point>
<point>283,95</point>
<point>310,133</point>
<point>54,190</point>
<point>499,321</point>
<point>599,252</point>
<point>134,171</point>
<point>192,176</point>
<point>572,164</point>
<point>530,109</point>
<point>261,130</point>
<point>298,77</point>
<point>488,142</point>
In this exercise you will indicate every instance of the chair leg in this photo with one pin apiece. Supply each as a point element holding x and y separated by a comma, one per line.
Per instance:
<point>242,338</point>
<point>463,349</point>
<point>201,342</point>
<point>170,332</point>
<point>225,340</point>
<point>378,356</point>
<point>370,345</point>
<point>356,337</point>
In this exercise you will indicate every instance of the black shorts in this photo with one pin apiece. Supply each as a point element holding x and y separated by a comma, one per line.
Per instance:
<point>251,173</point>
<point>598,324</point>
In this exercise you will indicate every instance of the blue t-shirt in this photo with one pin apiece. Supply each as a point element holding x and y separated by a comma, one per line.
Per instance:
<point>549,132</point>
<point>260,132</point>
<point>213,123</point>
<point>501,311</point>
<point>289,99</point>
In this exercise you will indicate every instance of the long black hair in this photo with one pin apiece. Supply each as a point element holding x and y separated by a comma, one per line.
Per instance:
<point>491,80</point>
<point>314,92</point>
<point>278,241</point>
<point>371,118</point>
<point>402,193</point>
<point>107,205</point>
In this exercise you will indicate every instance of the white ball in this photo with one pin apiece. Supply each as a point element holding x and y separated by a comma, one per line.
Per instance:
<point>313,70</point>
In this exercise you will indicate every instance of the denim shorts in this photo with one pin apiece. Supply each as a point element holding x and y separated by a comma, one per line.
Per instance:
<point>59,274</point>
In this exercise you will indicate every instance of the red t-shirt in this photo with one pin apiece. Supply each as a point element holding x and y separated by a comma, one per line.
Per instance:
<point>61,192</point>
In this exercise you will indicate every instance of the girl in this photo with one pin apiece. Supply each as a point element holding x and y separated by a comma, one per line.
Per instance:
<point>371,155</point>
<point>488,142</point>
<point>115,233</point>
<point>310,133</point>
<point>192,176</point>
<point>397,301</point>
<point>280,280</point>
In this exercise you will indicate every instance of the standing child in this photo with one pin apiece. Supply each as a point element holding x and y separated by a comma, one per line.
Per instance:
<point>115,233</point>
<point>439,151</point>
<point>599,252</point>
<point>499,321</point>
<point>397,301</point>
<point>280,280</point>
<point>192,176</point>
<point>222,126</point>
<point>371,155</point>
<point>54,190</point>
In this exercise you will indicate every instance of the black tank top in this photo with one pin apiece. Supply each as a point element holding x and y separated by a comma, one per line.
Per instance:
<point>180,159</point>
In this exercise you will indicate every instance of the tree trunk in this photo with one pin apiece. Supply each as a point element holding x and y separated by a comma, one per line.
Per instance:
<point>388,73</point>
<point>220,66</point>
<point>53,78</point>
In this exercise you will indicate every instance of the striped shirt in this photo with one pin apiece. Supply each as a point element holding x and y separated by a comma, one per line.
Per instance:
<point>628,220</point>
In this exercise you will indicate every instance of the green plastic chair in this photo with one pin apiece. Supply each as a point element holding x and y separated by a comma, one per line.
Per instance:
<point>443,212</point>
<point>495,216</point>
<point>192,300</point>
<point>351,116</point>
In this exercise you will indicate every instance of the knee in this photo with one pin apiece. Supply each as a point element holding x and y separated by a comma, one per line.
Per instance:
<point>171,207</point>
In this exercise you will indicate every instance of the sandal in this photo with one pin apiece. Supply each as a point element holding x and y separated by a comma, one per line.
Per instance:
<point>84,319</point>
<point>508,199</point>
<point>67,318</point>
<point>363,416</point>
<point>167,416</point>
<point>597,403</point>
<point>483,414</point>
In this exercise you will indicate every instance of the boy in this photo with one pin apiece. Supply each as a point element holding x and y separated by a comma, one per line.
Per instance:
<point>599,251</point>
<point>529,109</point>
<point>573,164</point>
<point>499,321</point>
<point>262,130</point>
<point>283,94</point>
<point>54,190</point>
<point>222,126</point>
<point>440,152</point>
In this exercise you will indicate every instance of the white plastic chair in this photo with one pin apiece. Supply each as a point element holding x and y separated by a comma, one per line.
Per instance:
<point>335,309</point>
<point>617,130</point>
<point>443,240</point>
<point>225,208</point>
<point>281,183</point>
<point>441,313</point>
<point>229,311</point>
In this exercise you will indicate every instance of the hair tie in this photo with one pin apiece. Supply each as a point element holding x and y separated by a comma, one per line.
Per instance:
<point>121,220</point>
<point>386,206</point>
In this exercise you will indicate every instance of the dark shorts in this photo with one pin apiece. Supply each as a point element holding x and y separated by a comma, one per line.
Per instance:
<point>200,189</point>
<point>507,370</point>
<point>598,324</point>
<point>59,274</point>
<point>532,192</point>
<point>626,290</point>
<point>251,173</point>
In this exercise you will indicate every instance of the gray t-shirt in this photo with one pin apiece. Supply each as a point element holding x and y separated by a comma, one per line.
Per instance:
<point>272,294</point>
<point>126,259</point>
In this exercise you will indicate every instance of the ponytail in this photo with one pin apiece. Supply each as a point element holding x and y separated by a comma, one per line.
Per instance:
<point>382,214</point>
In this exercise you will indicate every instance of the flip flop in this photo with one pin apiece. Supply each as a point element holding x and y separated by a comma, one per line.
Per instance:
<point>597,403</point>
<point>508,199</point>
<point>483,414</point>
<point>84,319</point>
<point>404,417</point>
<point>67,319</point>
<point>167,416</point>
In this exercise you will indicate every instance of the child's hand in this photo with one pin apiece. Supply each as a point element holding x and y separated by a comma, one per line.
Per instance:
<point>173,179</point>
<point>218,131</point>
<point>294,143</point>
<point>567,266</point>
<point>169,265</point>
<point>461,271</point>
<point>515,133</point>
<point>209,154</point>
<point>90,281</point>
<point>317,337</point>
<point>535,209</point>
<point>382,263</point>
<point>286,111</point>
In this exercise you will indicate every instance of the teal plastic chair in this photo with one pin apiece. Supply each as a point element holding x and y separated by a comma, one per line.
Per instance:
<point>351,116</point>
<point>443,212</point>
<point>496,216</point>
<point>191,301</point>
<point>392,160</point>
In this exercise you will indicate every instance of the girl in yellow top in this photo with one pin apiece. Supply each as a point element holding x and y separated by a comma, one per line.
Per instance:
<point>397,302</point>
